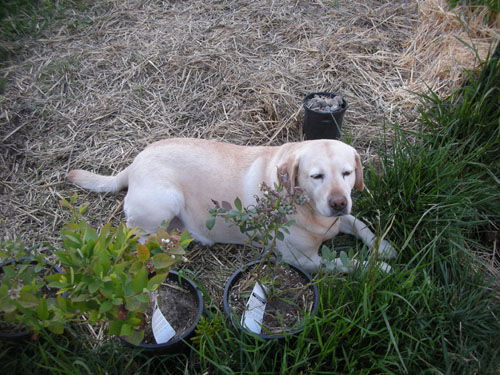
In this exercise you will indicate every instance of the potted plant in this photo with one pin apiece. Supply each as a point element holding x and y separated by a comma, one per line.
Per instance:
<point>27,304</point>
<point>187,299</point>
<point>276,305</point>
<point>110,277</point>
<point>323,115</point>
<point>268,297</point>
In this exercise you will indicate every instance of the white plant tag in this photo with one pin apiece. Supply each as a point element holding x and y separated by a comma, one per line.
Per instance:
<point>162,330</point>
<point>254,313</point>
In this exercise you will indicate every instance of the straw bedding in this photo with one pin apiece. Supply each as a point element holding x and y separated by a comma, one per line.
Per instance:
<point>92,93</point>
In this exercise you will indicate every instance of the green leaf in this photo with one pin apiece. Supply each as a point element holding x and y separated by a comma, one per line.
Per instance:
<point>119,268</point>
<point>135,337</point>
<point>280,236</point>
<point>345,261</point>
<point>6,304</point>
<point>211,223</point>
<point>142,252</point>
<point>135,267</point>
<point>105,307</point>
<point>237,204</point>
<point>107,289</point>
<point>27,300</point>
<point>162,261</point>
<point>330,266</point>
<point>115,327</point>
<point>177,250</point>
<point>186,239</point>
<point>56,327</point>
<point>143,298</point>
<point>62,303</point>
<point>327,253</point>
<point>135,305</point>
<point>57,280</point>
<point>126,330</point>
<point>98,269</point>
<point>4,290</point>
<point>81,297</point>
<point>94,286</point>
<point>42,311</point>
<point>94,316</point>
<point>140,280</point>
<point>156,280</point>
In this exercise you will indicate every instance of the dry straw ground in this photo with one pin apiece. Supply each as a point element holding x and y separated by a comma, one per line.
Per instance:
<point>93,93</point>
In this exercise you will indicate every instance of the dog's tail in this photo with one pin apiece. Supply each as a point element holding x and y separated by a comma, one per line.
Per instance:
<point>98,183</point>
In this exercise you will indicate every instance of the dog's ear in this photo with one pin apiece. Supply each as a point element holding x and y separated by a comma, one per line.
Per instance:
<point>288,174</point>
<point>359,183</point>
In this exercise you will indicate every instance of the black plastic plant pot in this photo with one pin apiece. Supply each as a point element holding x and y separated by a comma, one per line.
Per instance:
<point>321,124</point>
<point>178,344</point>
<point>19,335</point>
<point>236,276</point>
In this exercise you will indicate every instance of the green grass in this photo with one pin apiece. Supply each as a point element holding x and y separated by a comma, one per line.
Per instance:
<point>22,21</point>
<point>73,354</point>
<point>21,18</point>
<point>493,5</point>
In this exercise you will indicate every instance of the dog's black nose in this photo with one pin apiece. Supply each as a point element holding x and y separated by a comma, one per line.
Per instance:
<point>337,202</point>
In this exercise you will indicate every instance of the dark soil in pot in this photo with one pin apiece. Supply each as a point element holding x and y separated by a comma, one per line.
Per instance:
<point>181,303</point>
<point>290,298</point>
<point>178,305</point>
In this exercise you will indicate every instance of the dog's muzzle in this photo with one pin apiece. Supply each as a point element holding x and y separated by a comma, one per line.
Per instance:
<point>338,205</point>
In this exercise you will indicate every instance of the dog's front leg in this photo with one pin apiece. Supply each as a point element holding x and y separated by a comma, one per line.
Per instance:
<point>353,264</point>
<point>350,225</point>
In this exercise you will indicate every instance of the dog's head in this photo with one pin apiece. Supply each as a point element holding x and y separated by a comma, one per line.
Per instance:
<point>327,171</point>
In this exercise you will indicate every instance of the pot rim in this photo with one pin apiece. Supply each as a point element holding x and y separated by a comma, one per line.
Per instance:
<point>179,340</point>
<point>235,276</point>
<point>344,107</point>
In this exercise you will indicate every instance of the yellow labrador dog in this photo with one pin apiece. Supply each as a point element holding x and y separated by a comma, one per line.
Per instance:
<point>177,179</point>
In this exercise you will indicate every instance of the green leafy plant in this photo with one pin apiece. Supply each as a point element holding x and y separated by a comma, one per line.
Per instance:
<point>108,275</point>
<point>25,299</point>
<point>264,223</point>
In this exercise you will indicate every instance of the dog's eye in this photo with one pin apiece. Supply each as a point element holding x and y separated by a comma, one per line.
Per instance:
<point>346,173</point>
<point>318,176</point>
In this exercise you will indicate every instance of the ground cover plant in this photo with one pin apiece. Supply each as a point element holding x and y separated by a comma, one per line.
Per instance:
<point>90,89</point>
<point>27,304</point>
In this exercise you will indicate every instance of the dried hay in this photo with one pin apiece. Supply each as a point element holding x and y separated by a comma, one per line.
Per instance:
<point>93,93</point>
<point>445,43</point>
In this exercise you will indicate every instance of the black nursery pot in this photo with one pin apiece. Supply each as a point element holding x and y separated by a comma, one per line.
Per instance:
<point>21,335</point>
<point>234,319</point>
<point>177,345</point>
<point>323,125</point>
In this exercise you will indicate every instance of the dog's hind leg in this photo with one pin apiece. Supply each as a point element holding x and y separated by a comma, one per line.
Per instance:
<point>148,207</point>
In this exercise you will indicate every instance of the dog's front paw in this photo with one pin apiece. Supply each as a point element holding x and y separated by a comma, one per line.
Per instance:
<point>386,250</point>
